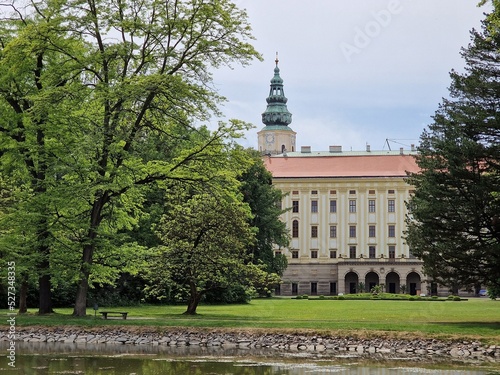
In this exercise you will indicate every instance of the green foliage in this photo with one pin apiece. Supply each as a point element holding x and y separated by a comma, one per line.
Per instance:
<point>494,291</point>
<point>377,289</point>
<point>91,121</point>
<point>454,225</point>
<point>361,286</point>
<point>204,239</point>
<point>265,203</point>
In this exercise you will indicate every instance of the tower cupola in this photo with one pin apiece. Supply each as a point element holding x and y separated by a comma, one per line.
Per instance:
<point>276,112</point>
<point>276,137</point>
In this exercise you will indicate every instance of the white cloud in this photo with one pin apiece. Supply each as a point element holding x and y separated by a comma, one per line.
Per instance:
<point>387,90</point>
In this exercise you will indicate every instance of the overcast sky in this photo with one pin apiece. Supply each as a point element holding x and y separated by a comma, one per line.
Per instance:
<point>355,72</point>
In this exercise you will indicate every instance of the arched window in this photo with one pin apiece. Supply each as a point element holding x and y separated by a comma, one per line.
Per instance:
<point>295,229</point>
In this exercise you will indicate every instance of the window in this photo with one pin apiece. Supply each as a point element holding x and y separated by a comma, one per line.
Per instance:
<point>352,252</point>
<point>390,191</point>
<point>295,206</point>
<point>295,192</point>
<point>314,192</point>
<point>295,289</point>
<point>371,252</point>
<point>333,288</point>
<point>371,192</point>
<point>333,206</point>
<point>314,231</point>
<point>295,229</point>
<point>277,253</point>
<point>352,205</point>
<point>314,254</point>
<point>371,231</point>
<point>371,205</point>
<point>352,231</point>
<point>295,254</point>
<point>391,205</point>
<point>333,231</point>
<point>333,254</point>
<point>392,252</point>
<point>392,231</point>
<point>333,192</point>
<point>314,289</point>
<point>352,191</point>
<point>314,206</point>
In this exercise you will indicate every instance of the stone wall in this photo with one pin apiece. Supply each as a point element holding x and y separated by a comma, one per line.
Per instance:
<point>251,340</point>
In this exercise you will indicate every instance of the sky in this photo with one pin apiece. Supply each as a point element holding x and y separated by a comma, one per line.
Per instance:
<point>355,72</point>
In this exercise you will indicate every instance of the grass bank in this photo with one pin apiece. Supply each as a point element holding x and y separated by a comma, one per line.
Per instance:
<point>476,318</point>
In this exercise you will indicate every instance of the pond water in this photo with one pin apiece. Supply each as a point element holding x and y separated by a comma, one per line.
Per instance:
<point>57,358</point>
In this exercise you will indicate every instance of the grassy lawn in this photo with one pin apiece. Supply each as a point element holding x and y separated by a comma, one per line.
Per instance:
<point>476,318</point>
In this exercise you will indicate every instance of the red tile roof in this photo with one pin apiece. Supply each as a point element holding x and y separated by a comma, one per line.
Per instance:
<point>341,166</point>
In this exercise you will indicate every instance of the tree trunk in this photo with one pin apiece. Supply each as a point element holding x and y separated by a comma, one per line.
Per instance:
<point>194,300</point>
<point>80,308</point>
<point>45,304</point>
<point>88,253</point>
<point>23,295</point>
<point>44,282</point>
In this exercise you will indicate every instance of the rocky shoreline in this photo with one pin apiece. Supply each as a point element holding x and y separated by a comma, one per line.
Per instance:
<point>294,342</point>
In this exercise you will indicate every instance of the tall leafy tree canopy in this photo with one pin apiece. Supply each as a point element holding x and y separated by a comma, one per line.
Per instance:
<point>454,221</point>
<point>98,101</point>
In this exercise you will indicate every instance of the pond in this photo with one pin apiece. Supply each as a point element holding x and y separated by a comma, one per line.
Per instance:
<point>105,359</point>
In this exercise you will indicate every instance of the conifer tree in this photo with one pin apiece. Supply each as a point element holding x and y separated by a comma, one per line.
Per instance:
<point>454,220</point>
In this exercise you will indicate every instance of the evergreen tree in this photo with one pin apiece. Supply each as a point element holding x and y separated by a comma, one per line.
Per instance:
<point>454,220</point>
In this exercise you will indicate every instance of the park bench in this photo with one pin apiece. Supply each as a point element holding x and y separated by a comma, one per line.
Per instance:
<point>115,313</point>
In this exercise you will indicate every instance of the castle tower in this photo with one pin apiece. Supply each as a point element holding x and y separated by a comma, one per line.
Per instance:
<point>276,137</point>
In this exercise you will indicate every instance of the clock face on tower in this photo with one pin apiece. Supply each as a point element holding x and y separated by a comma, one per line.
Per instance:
<point>270,138</point>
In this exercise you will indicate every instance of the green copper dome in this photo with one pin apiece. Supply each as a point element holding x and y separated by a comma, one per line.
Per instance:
<point>276,113</point>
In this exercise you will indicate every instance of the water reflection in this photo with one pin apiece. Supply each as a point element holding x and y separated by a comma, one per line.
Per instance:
<point>59,358</point>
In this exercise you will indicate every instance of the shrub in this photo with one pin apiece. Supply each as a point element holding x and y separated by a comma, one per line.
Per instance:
<point>411,298</point>
<point>298,297</point>
<point>305,296</point>
<point>322,297</point>
<point>341,297</point>
<point>456,298</point>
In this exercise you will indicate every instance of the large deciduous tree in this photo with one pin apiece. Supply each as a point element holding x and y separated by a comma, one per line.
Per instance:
<point>205,239</point>
<point>106,98</point>
<point>454,224</point>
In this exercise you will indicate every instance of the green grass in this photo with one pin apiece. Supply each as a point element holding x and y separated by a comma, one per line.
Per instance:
<point>474,319</point>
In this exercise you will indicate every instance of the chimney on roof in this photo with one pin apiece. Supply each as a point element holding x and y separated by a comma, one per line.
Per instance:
<point>412,147</point>
<point>401,151</point>
<point>305,149</point>
<point>367,147</point>
<point>335,148</point>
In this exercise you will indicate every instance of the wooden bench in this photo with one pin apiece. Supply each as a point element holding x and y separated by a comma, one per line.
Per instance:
<point>117,313</point>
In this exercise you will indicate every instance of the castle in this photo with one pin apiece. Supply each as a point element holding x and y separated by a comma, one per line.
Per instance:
<point>347,212</point>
